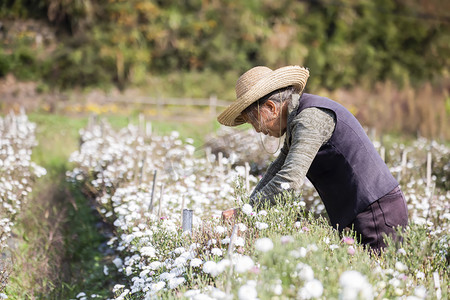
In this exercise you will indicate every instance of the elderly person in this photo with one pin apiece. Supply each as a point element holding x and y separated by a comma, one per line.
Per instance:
<point>324,143</point>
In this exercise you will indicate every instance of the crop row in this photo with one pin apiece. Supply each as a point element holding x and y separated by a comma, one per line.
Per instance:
<point>141,183</point>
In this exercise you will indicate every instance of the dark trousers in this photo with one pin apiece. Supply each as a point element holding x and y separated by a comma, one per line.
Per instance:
<point>381,217</point>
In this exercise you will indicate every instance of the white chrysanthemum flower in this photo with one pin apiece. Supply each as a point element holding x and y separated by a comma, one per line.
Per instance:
<point>247,209</point>
<point>148,251</point>
<point>243,264</point>
<point>354,286</point>
<point>242,227</point>
<point>124,293</point>
<point>155,287</point>
<point>220,229</point>
<point>174,282</point>
<point>286,239</point>
<point>155,265</point>
<point>211,242</point>
<point>285,186</point>
<point>262,213</point>
<point>420,291</point>
<point>400,266</point>
<point>221,265</point>
<point>401,251</point>
<point>301,252</point>
<point>216,251</point>
<point>264,244</point>
<point>118,262</point>
<point>196,262</point>
<point>278,288</point>
<point>312,289</point>
<point>334,246</point>
<point>118,287</point>
<point>239,242</point>
<point>305,272</point>
<point>179,261</point>
<point>248,291</point>
<point>191,294</point>
<point>210,267</point>
<point>261,225</point>
<point>420,275</point>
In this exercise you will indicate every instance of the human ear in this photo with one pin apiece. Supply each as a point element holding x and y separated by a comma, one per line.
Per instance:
<point>272,107</point>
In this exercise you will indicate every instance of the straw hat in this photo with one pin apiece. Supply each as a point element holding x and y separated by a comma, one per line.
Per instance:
<point>258,82</point>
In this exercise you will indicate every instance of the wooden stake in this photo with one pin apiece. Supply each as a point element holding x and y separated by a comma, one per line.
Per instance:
<point>383,153</point>
<point>148,129</point>
<point>429,170</point>
<point>160,202</point>
<point>403,165</point>
<point>247,175</point>
<point>153,191</point>
<point>212,105</point>
<point>141,124</point>
<point>232,240</point>
<point>219,160</point>
<point>208,154</point>
<point>141,171</point>
<point>437,285</point>
<point>230,257</point>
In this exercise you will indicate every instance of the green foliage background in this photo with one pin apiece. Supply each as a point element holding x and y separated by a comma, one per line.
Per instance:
<point>343,42</point>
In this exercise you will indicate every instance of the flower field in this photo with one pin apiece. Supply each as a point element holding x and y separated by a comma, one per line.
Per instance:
<point>17,174</point>
<point>141,183</point>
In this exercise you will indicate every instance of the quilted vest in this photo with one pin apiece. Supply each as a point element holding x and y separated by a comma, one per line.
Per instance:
<point>347,172</point>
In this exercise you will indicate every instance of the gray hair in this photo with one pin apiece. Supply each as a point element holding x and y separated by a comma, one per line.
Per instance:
<point>279,97</point>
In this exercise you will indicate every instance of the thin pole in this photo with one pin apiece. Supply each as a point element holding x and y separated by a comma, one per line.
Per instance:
<point>160,202</point>
<point>247,174</point>
<point>230,257</point>
<point>429,170</point>
<point>153,191</point>
<point>187,219</point>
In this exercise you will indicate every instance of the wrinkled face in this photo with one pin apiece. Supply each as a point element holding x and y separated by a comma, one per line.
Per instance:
<point>270,119</point>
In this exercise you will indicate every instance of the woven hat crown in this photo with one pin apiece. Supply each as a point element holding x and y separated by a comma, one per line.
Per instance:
<point>247,80</point>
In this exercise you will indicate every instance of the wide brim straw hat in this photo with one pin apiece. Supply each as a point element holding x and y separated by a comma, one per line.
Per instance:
<point>257,83</point>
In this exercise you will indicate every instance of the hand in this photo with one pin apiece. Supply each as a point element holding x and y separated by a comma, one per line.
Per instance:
<point>230,213</point>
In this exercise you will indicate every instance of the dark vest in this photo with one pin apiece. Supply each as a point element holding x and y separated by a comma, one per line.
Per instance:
<point>347,172</point>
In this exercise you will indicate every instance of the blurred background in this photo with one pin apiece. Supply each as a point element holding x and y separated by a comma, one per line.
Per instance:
<point>386,60</point>
<point>172,66</point>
